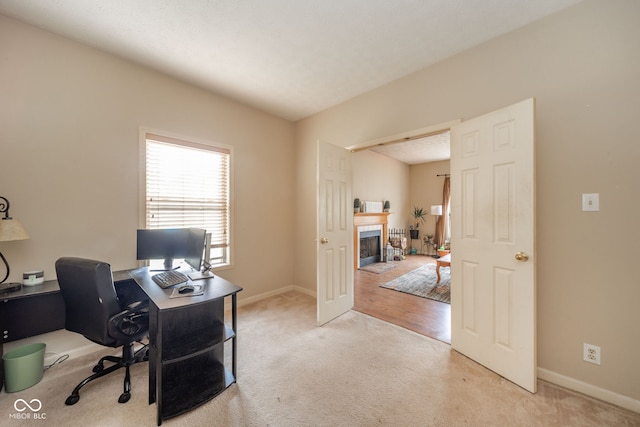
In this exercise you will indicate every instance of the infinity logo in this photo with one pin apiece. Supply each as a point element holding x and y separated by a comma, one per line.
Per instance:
<point>25,405</point>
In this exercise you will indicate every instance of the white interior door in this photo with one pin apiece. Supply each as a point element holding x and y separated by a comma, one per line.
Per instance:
<point>493,288</point>
<point>335,231</point>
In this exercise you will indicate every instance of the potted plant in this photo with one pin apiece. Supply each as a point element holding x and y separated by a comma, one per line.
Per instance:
<point>418,215</point>
<point>387,206</point>
<point>356,205</point>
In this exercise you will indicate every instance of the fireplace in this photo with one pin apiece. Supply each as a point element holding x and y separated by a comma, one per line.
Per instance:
<point>370,247</point>
<point>371,224</point>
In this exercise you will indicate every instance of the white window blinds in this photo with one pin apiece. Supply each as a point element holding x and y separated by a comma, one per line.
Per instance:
<point>187,185</point>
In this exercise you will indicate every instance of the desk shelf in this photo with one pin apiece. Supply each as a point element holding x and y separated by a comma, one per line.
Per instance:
<point>193,381</point>
<point>197,341</point>
<point>186,356</point>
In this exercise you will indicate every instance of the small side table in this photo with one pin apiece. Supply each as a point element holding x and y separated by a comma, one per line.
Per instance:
<point>443,261</point>
<point>443,252</point>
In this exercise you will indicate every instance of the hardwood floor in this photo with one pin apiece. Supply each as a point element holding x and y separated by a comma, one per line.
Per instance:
<point>421,315</point>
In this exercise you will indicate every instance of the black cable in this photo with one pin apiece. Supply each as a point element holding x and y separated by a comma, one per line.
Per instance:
<point>58,360</point>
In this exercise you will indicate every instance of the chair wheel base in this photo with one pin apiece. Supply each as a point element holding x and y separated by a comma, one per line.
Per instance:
<point>124,398</point>
<point>72,399</point>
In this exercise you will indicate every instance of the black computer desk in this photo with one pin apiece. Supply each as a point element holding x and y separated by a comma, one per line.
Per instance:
<point>186,335</point>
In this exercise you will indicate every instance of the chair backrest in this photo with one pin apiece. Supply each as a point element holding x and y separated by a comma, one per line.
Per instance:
<point>89,296</point>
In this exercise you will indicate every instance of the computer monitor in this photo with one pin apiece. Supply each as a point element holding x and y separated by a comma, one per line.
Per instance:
<point>201,265</point>
<point>195,243</point>
<point>171,243</point>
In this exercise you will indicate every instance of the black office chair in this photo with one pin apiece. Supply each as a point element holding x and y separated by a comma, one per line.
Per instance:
<point>94,310</point>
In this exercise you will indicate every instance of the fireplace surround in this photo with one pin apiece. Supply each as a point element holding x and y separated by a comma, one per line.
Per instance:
<point>365,223</point>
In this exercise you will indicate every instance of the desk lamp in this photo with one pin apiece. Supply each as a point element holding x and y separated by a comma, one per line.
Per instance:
<point>10,230</point>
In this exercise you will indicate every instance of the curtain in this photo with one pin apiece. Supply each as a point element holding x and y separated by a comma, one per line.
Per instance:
<point>441,223</point>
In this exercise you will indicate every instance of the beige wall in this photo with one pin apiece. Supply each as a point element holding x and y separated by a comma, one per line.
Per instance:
<point>582,65</point>
<point>69,123</point>
<point>426,190</point>
<point>378,178</point>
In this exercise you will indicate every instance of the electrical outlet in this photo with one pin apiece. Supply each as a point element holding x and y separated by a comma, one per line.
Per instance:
<point>591,353</point>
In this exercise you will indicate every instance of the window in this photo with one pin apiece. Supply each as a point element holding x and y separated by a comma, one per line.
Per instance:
<point>188,185</point>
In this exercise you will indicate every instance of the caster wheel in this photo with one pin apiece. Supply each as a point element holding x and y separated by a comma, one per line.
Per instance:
<point>72,400</point>
<point>124,398</point>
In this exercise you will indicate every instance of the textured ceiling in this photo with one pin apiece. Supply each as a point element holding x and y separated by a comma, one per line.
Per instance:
<point>415,151</point>
<point>291,58</point>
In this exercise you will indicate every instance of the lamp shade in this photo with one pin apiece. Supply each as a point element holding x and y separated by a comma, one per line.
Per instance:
<point>11,229</point>
<point>436,210</point>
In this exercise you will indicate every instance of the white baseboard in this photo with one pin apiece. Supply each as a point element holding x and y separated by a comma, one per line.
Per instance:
<point>58,343</point>
<point>608,396</point>
<point>250,300</point>
<point>275,292</point>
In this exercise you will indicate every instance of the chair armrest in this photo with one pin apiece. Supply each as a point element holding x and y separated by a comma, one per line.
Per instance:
<point>130,323</point>
<point>138,306</point>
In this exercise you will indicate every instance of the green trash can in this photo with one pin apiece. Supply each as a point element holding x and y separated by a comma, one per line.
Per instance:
<point>23,367</point>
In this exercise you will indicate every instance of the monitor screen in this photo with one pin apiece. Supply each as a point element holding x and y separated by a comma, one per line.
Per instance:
<point>171,243</point>
<point>195,249</point>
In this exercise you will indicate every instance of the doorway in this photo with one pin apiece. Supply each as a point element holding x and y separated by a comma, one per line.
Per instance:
<point>427,317</point>
<point>493,162</point>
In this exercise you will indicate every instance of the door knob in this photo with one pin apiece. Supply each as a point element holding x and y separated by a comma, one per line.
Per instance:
<point>324,240</point>
<point>521,256</point>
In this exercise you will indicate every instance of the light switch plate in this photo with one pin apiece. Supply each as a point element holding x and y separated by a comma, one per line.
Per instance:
<point>591,202</point>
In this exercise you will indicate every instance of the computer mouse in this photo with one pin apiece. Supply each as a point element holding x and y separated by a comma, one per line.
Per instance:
<point>186,289</point>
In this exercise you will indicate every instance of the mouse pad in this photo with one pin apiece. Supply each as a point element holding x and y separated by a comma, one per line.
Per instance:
<point>197,290</point>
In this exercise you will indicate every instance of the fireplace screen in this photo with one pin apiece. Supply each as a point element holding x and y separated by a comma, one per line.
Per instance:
<point>370,247</point>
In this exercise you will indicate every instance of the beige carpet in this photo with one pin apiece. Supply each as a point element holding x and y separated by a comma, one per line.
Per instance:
<point>354,371</point>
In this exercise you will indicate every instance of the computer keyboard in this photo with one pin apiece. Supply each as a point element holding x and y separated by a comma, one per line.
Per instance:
<point>169,278</point>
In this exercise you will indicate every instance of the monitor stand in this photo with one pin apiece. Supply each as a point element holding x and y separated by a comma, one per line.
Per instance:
<point>168,265</point>
<point>197,275</point>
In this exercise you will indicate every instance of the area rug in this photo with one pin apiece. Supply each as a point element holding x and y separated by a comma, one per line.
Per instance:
<point>422,282</point>
<point>378,267</point>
